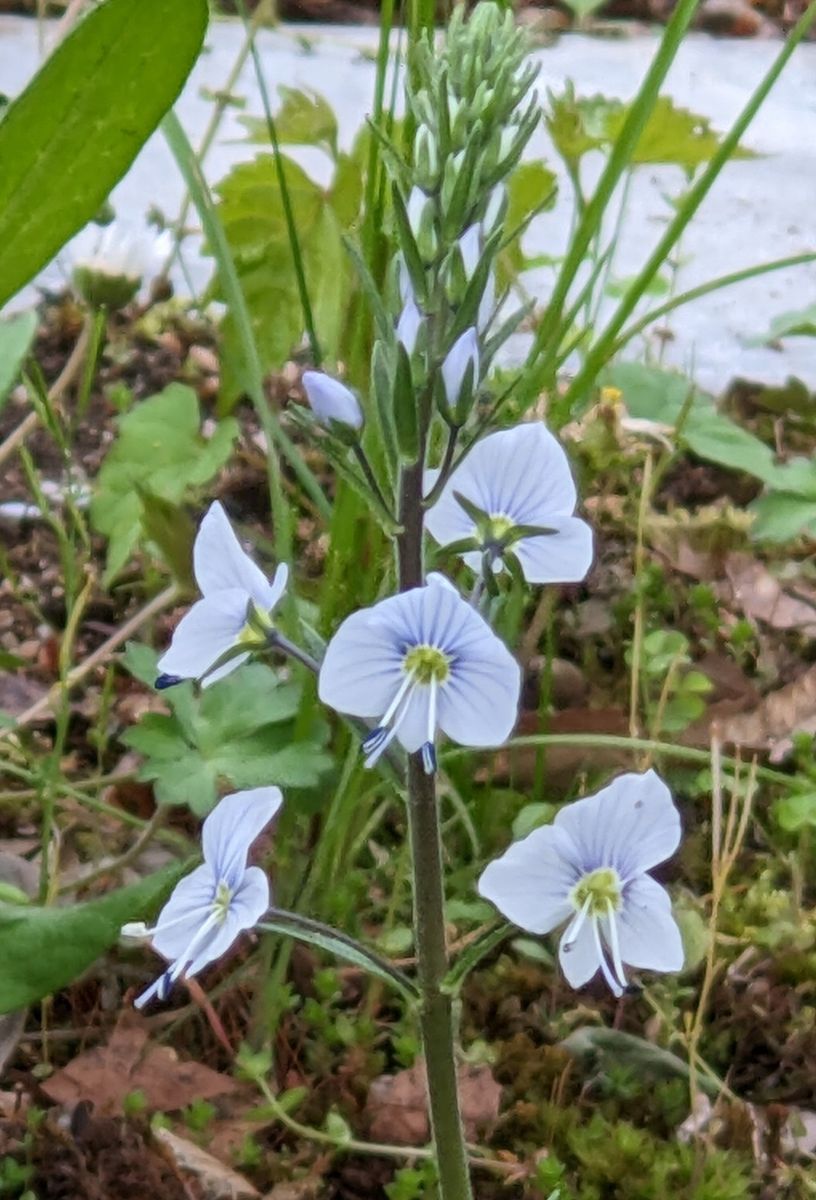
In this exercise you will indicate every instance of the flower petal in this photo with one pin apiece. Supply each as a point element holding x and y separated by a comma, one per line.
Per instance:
<point>580,961</point>
<point>232,827</point>
<point>207,631</point>
<point>561,557</point>
<point>648,933</point>
<point>631,825</point>
<point>362,668</point>
<point>521,473</point>
<point>185,912</point>
<point>330,400</point>
<point>219,562</point>
<point>247,906</point>
<point>530,883</point>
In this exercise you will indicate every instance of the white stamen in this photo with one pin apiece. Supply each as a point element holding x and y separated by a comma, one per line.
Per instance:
<point>571,936</point>
<point>394,705</point>
<point>614,944</point>
<point>376,754</point>
<point>432,710</point>
<point>607,974</point>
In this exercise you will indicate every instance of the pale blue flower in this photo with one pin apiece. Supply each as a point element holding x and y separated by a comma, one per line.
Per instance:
<point>331,401</point>
<point>419,661</point>
<point>462,359</point>
<point>519,479</point>
<point>588,870</point>
<point>212,905</point>
<point>235,609</point>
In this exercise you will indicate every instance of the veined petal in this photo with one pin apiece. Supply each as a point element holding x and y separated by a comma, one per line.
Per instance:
<point>561,557</point>
<point>185,912</point>
<point>220,563</point>
<point>248,905</point>
<point>631,825</point>
<point>207,631</point>
<point>233,826</point>
<point>530,883</point>
<point>648,933</point>
<point>362,668</point>
<point>520,473</point>
<point>331,400</point>
<point>478,705</point>
<point>413,720</point>
<point>579,959</point>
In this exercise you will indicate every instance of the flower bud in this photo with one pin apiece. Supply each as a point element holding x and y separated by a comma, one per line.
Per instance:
<point>460,373</point>
<point>408,326</point>
<point>470,250</point>
<point>420,209</point>
<point>426,157</point>
<point>496,210</point>
<point>331,401</point>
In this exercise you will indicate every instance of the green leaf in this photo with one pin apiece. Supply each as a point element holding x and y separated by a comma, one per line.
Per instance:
<point>672,135</point>
<point>251,211</point>
<point>159,451</point>
<point>16,336</point>
<point>44,949</point>
<point>653,394</point>
<point>801,323</point>
<point>608,1048</point>
<point>238,733</point>
<point>533,187</point>
<point>781,517</point>
<point>305,119</point>
<point>77,127</point>
<point>314,934</point>
<point>796,812</point>
<point>577,126</point>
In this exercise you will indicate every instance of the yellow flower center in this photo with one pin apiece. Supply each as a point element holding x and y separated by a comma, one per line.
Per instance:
<point>500,524</point>
<point>221,901</point>
<point>601,888</point>
<point>257,627</point>
<point>426,664</point>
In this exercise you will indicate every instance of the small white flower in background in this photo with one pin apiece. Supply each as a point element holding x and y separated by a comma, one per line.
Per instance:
<point>234,615</point>
<point>589,868</point>
<point>421,660</point>
<point>519,479</point>
<point>408,327</point>
<point>331,401</point>
<point>462,359</point>
<point>219,899</point>
<point>111,263</point>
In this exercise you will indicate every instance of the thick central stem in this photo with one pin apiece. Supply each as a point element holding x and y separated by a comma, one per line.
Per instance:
<point>436,1010</point>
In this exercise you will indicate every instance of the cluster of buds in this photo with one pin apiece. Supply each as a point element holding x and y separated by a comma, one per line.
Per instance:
<point>473,119</point>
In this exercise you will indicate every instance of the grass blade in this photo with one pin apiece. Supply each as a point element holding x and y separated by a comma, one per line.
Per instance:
<point>605,344</point>
<point>199,191</point>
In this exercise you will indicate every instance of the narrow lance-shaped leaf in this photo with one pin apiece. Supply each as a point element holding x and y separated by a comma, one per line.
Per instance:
<point>77,127</point>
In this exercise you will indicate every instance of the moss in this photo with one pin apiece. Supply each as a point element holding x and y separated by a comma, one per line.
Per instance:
<point>616,1160</point>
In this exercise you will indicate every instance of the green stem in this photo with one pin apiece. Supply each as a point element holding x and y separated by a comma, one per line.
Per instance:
<point>286,199</point>
<point>436,1004</point>
<point>611,741</point>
